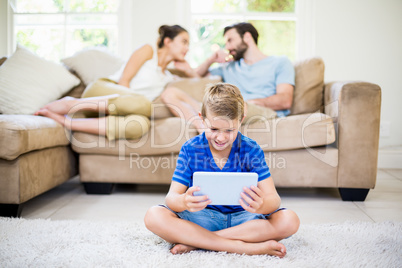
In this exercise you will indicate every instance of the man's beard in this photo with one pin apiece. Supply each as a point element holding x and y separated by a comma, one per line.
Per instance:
<point>240,50</point>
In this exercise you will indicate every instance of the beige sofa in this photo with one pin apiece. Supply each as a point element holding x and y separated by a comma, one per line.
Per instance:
<point>329,140</point>
<point>35,156</point>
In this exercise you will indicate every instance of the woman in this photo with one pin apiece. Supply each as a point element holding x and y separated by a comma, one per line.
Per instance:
<point>126,104</point>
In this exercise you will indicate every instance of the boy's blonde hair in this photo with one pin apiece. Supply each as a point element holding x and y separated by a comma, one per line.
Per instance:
<point>223,99</point>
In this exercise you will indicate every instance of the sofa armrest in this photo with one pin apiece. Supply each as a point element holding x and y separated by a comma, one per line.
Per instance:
<point>355,108</point>
<point>20,134</point>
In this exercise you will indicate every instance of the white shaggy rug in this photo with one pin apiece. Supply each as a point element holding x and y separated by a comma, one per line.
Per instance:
<point>46,243</point>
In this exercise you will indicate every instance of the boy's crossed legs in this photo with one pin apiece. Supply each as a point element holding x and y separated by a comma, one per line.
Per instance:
<point>253,237</point>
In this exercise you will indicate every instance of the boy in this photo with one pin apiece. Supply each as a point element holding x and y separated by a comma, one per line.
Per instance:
<point>189,222</point>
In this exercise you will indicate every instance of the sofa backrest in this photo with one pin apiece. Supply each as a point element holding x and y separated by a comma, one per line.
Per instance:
<point>308,93</point>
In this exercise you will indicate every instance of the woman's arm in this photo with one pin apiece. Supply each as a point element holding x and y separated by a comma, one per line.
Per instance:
<point>179,198</point>
<point>137,59</point>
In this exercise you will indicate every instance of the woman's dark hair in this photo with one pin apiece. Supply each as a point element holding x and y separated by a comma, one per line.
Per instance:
<point>166,31</point>
<point>243,28</point>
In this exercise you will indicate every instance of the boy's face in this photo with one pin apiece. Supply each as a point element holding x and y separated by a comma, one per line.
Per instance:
<point>221,131</point>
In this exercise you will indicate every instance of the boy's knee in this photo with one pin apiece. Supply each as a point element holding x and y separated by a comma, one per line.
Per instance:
<point>148,219</point>
<point>290,223</point>
<point>151,218</point>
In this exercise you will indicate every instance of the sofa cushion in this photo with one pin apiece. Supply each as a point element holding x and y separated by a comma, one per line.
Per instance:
<point>75,92</point>
<point>28,82</point>
<point>292,132</point>
<point>167,135</point>
<point>308,93</point>
<point>20,134</point>
<point>93,63</point>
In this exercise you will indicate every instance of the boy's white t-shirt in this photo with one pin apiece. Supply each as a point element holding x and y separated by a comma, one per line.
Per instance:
<point>150,80</point>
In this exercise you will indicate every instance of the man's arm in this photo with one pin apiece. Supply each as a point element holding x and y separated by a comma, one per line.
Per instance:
<point>282,100</point>
<point>219,56</point>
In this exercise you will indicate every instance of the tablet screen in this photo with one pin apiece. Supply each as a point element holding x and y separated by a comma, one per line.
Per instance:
<point>223,188</point>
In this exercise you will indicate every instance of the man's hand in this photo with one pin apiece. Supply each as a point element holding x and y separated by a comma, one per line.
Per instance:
<point>195,203</point>
<point>221,56</point>
<point>252,199</point>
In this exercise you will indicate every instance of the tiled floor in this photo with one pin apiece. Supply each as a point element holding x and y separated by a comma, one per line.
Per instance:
<point>130,202</point>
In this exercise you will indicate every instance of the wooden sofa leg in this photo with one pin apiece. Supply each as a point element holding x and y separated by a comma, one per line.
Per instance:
<point>353,194</point>
<point>98,188</point>
<point>10,210</point>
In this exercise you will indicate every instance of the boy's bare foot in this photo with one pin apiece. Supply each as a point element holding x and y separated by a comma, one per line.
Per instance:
<point>181,248</point>
<point>55,116</point>
<point>62,106</point>
<point>271,247</point>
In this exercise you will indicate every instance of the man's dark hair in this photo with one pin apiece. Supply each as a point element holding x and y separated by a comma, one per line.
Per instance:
<point>243,28</point>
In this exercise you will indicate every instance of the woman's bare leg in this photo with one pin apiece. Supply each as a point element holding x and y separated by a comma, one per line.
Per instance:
<point>168,226</point>
<point>183,105</point>
<point>88,125</point>
<point>68,105</point>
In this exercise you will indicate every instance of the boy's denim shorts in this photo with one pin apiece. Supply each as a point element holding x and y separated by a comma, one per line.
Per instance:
<point>214,220</point>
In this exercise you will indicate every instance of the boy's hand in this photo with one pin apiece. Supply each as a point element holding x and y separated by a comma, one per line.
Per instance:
<point>195,203</point>
<point>253,197</point>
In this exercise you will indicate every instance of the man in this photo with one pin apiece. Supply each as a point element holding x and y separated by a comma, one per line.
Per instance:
<point>266,82</point>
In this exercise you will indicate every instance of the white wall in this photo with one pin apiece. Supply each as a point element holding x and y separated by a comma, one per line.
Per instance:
<point>3,28</point>
<point>362,40</point>
<point>358,40</point>
<point>143,18</point>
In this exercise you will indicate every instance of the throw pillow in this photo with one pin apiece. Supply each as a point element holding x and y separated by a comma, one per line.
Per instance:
<point>308,94</point>
<point>91,64</point>
<point>28,82</point>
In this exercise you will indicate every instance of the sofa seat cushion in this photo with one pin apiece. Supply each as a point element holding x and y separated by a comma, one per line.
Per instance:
<point>292,132</point>
<point>166,136</point>
<point>20,134</point>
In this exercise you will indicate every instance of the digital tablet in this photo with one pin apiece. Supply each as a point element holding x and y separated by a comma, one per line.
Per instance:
<point>223,188</point>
